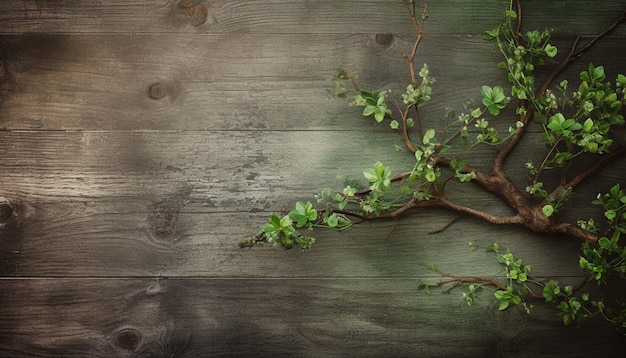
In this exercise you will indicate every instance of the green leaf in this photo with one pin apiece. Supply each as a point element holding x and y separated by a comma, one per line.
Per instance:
<point>598,73</point>
<point>428,137</point>
<point>555,122</point>
<point>476,112</point>
<point>605,243</point>
<point>486,92</point>
<point>510,14</point>
<point>305,242</point>
<point>302,214</point>
<point>610,214</point>
<point>550,50</point>
<point>370,175</point>
<point>286,242</point>
<point>332,220</point>
<point>369,110</point>
<point>493,109</point>
<point>430,176</point>
<point>379,115</point>
<point>394,124</point>
<point>548,210</point>
<point>497,94</point>
<point>378,176</point>
<point>492,34</point>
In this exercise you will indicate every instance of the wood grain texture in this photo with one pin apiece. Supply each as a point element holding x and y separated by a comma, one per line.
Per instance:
<point>142,140</point>
<point>177,203</point>
<point>293,16</point>
<point>226,82</point>
<point>274,318</point>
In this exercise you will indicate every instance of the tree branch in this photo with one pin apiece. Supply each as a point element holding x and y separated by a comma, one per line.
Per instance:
<point>573,54</point>
<point>606,159</point>
<point>493,219</point>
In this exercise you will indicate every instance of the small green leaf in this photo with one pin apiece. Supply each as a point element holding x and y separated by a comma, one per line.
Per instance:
<point>510,14</point>
<point>598,73</point>
<point>332,220</point>
<point>556,121</point>
<point>430,176</point>
<point>286,242</point>
<point>605,243</point>
<point>379,115</point>
<point>486,91</point>
<point>428,137</point>
<point>550,50</point>
<point>493,109</point>
<point>418,155</point>
<point>548,210</point>
<point>610,214</point>
<point>394,124</point>
<point>492,34</point>
<point>497,94</point>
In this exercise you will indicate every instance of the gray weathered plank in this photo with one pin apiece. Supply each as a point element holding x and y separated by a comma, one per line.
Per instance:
<point>177,203</point>
<point>275,318</point>
<point>79,241</point>
<point>271,17</point>
<point>222,171</point>
<point>221,82</point>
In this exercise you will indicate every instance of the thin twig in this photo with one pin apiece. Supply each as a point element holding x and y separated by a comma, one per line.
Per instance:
<point>394,178</point>
<point>597,165</point>
<point>518,29</point>
<point>447,225</point>
<point>393,227</point>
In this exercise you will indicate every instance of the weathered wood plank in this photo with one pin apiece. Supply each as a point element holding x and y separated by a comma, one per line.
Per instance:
<point>271,17</point>
<point>148,82</point>
<point>177,203</point>
<point>68,242</point>
<point>220,171</point>
<point>275,318</point>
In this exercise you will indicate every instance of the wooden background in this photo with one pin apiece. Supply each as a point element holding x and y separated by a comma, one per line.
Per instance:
<point>143,139</point>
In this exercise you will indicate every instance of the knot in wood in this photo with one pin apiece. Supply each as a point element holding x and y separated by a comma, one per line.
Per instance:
<point>196,11</point>
<point>6,211</point>
<point>128,339</point>
<point>384,39</point>
<point>157,91</point>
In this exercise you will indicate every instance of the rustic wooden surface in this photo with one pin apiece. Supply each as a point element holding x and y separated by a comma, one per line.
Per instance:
<point>141,140</point>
